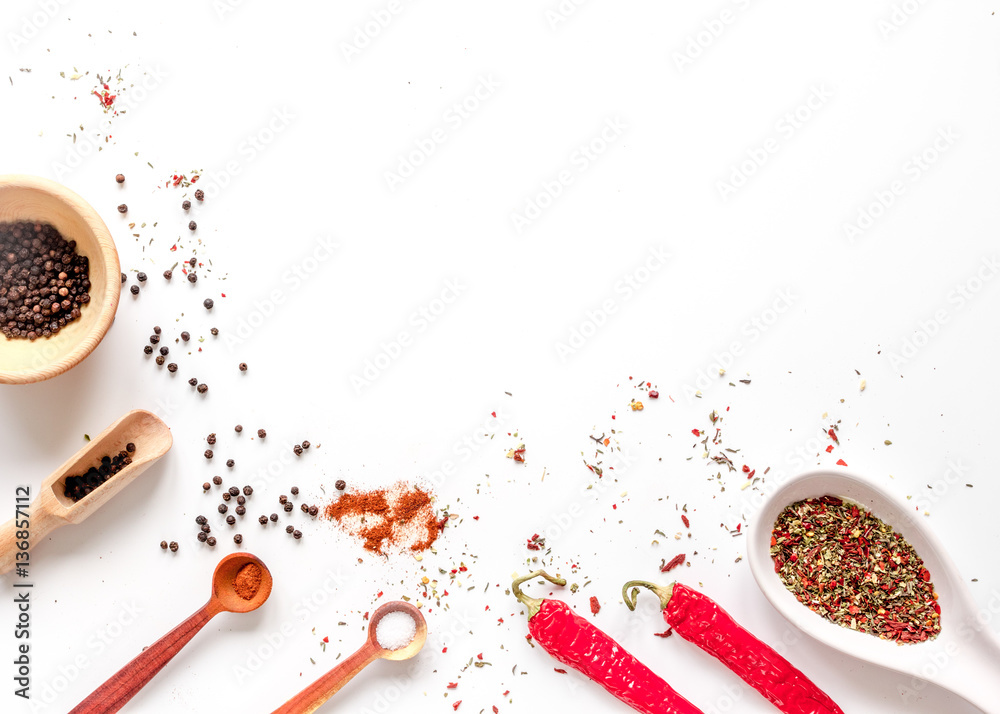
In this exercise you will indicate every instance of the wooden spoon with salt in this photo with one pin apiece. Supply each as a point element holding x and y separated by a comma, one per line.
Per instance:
<point>241,583</point>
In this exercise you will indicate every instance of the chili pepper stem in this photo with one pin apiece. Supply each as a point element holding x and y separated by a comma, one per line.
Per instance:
<point>664,592</point>
<point>533,604</point>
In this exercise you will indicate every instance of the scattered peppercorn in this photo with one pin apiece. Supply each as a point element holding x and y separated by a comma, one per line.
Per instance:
<point>306,444</point>
<point>205,528</point>
<point>241,509</point>
<point>314,511</point>
<point>226,496</point>
<point>193,262</point>
<point>297,450</point>
<point>231,520</point>
<point>262,520</point>
<point>217,480</point>
<point>202,537</point>
<point>230,463</point>
<point>214,331</point>
<point>168,274</point>
<point>210,439</point>
<point>238,428</point>
<point>206,485</point>
<point>282,499</point>
<point>237,539</point>
<point>148,349</point>
<point>289,529</point>
<point>243,366</point>
<point>163,544</point>
<point>160,359</point>
<point>185,205</point>
<point>274,517</point>
<point>295,490</point>
<point>122,208</point>
<point>192,277</point>
<point>223,508</point>
<point>185,336</point>
<point>120,178</point>
<point>288,507</point>
<point>209,303</point>
<point>141,277</point>
<point>173,546</point>
<point>211,541</point>
<point>233,491</point>
<point>199,195</point>
<point>340,485</point>
<point>261,433</point>
<point>124,277</point>
<point>297,535</point>
<point>202,388</point>
<point>192,225</point>
<point>164,350</point>
<point>154,338</point>
<point>209,454</point>
<point>134,289</point>
<point>200,520</point>
<point>193,381</point>
<point>304,508</point>
<point>247,490</point>
<point>172,367</point>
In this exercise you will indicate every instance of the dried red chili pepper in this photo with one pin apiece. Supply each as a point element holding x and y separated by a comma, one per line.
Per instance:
<point>578,644</point>
<point>699,619</point>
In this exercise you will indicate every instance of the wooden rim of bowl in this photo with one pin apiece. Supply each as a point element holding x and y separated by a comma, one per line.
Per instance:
<point>109,255</point>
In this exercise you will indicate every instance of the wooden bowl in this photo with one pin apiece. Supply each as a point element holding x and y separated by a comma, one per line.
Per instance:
<point>29,198</point>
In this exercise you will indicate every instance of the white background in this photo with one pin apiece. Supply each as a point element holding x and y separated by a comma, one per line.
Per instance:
<point>201,80</point>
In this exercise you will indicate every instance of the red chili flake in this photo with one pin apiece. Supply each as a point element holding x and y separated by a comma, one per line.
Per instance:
<point>456,704</point>
<point>739,526</point>
<point>833,435</point>
<point>500,620</point>
<point>841,462</point>
<point>666,633</point>
<point>495,710</point>
<point>462,568</point>
<point>519,455</point>
<point>444,651</point>
<point>560,671</point>
<point>750,475</point>
<point>746,469</point>
<point>493,414</point>
<point>379,594</point>
<point>365,617</point>
<point>653,394</point>
<point>674,562</point>
<point>452,685</point>
<point>479,656</point>
<point>327,640</point>
<point>475,518</point>
<point>829,448</point>
<point>687,523</point>
<point>487,609</point>
<point>595,605</point>
<point>696,432</point>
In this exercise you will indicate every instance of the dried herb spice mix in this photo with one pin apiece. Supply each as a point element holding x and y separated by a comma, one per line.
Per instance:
<point>853,569</point>
<point>44,282</point>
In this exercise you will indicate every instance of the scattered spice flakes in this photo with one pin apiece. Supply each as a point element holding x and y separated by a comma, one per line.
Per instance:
<point>517,453</point>
<point>676,561</point>
<point>595,605</point>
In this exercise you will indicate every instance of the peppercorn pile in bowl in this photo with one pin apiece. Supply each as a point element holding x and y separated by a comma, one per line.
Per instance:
<point>59,279</point>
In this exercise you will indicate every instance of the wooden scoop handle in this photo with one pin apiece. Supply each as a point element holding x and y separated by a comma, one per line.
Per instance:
<point>126,683</point>
<point>39,523</point>
<point>315,695</point>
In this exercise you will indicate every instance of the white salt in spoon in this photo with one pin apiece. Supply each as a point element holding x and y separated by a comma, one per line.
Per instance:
<point>390,636</point>
<point>964,658</point>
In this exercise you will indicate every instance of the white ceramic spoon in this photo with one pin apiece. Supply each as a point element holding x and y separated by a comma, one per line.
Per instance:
<point>964,658</point>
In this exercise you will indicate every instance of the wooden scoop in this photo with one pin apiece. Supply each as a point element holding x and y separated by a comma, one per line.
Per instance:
<point>52,508</point>
<point>313,697</point>
<point>126,683</point>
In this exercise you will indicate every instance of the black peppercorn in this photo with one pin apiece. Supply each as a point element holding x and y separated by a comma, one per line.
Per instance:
<point>297,535</point>
<point>199,195</point>
<point>201,520</point>
<point>261,433</point>
<point>134,289</point>
<point>168,274</point>
<point>289,529</point>
<point>173,546</point>
<point>262,520</point>
<point>211,541</point>
<point>233,491</point>
<point>164,350</point>
<point>241,510</point>
<point>202,388</point>
<point>306,444</point>
<point>231,520</point>
<point>192,225</point>
<point>206,485</point>
<point>124,278</point>
<point>217,480</point>
<point>340,485</point>
<point>205,528</point>
<point>148,349</point>
<point>247,490</point>
<point>192,277</point>
<point>193,262</point>
<point>209,303</point>
<point>157,330</point>
<point>160,359</point>
<point>122,208</point>
<point>208,453</point>
<point>141,277</point>
<point>163,544</point>
<point>274,517</point>
<point>155,338</point>
<point>230,463</point>
<point>172,367</point>
<point>282,499</point>
<point>202,537</point>
<point>185,204</point>
<point>120,178</point>
<point>214,331</point>
<point>241,499</point>
<point>223,508</point>
<point>313,510</point>
<point>193,381</point>
<point>288,507</point>
<point>237,539</point>
<point>243,366</point>
<point>297,450</point>
<point>185,336</point>
<point>210,439</point>
<point>238,428</point>
<point>304,508</point>
<point>226,496</point>
<point>295,490</point>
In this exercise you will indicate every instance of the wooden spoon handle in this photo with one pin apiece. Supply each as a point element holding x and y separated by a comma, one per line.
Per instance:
<point>312,697</point>
<point>126,683</point>
<point>39,523</point>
